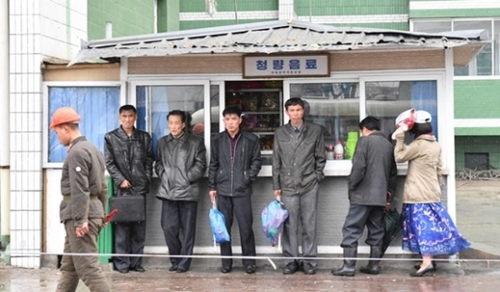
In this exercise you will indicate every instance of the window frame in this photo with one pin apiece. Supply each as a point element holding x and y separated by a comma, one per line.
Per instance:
<point>135,82</point>
<point>45,110</point>
<point>495,67</point>
<point>342,167</point>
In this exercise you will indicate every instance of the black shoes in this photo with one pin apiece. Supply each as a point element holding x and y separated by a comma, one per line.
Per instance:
<point>349,267</point>
<point>434,266</point>
<point>290,268</point>
<point>370,269</point>
<point>182,269</point>
<point>308,268</point>
<point>373,267</point>
<point>173,268</point>
<point>347,270</point>
<point>139,269</point>
<point>250,269</point>
<point>422,272</point>
<point>225,270</point>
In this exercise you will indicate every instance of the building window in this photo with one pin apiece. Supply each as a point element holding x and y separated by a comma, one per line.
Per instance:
<point>97,107</point>
<point>339,106</point>
<point>487,61</point>
<point>155,102</point>
<point>387,99</point>
<point>335,106</point>
<point>477,161</point>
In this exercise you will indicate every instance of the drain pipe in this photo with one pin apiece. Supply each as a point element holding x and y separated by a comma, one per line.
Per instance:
<point>5,128</point>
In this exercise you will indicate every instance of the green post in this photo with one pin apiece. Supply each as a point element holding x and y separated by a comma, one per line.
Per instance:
<point>105,241</point>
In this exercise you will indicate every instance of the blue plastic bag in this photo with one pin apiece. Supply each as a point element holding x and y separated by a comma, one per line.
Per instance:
<point>218,225</point>
<point>273,217</point>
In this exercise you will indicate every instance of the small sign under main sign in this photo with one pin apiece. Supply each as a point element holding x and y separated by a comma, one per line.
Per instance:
<point>286,66</point>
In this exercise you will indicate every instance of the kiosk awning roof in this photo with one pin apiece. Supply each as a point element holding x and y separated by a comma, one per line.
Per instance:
<point>279,37</point>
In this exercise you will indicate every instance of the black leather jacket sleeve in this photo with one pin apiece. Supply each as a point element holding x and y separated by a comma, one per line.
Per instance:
<point>214,165</point>
<point>110,160</point>
<point>200,165</point>
<point>255,162</point>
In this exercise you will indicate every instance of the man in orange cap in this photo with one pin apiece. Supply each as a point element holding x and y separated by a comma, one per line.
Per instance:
<point>84,190</point>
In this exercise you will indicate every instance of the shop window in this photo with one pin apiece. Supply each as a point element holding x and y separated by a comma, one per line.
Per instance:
<point>261,103</point>
<point>486,62</point>
<point>97,107</point>
<point>154,103</point>
<point>334,106</point>
<point>387,99</point>
<point>477,161</point>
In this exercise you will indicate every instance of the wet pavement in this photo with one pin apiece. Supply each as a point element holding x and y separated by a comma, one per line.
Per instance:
<point>457,276</point>
<point>477,270</point>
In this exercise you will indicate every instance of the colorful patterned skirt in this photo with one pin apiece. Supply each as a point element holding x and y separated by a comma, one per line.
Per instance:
<point>429,230</point>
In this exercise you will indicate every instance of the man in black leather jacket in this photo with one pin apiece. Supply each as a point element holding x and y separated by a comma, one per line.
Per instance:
<point>180,163</point>
<point>129,159</point>
<point>235,161</point>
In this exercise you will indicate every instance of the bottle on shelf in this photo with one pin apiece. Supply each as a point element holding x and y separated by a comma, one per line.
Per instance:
<point>339,151</point>
<point>330,152</point>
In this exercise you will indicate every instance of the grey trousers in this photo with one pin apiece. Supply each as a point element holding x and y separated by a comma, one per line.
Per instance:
<point>86,268</point>
<point>357,218</point>
<point>302,210</point>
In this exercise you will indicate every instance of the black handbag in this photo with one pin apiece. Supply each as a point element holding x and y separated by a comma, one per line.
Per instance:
<point>130,208</point>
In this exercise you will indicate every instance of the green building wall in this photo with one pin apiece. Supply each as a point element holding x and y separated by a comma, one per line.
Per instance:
<point>477,99</point>
<point>129,17</point>
<point>187,6</point>
<point>452,12</point>
<point>350,7</point>
<point>477,144</point>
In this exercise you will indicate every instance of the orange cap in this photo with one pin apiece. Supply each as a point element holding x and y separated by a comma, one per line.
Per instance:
<point>64,115</point>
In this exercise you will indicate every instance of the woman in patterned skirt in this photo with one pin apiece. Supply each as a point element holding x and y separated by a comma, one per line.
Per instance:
<point>427,228</point>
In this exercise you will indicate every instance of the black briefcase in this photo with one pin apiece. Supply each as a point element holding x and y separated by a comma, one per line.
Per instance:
<point>130,208</point>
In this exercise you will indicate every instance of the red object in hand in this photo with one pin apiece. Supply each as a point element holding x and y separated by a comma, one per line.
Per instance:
<point>111,215</point>
<point>406,118</point>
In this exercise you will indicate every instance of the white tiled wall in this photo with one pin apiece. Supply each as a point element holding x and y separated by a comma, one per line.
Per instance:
<point>286,10</point>
<point>38,30</point>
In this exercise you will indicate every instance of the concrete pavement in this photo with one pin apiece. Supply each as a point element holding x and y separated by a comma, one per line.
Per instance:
<point>461,276</point>
<point>478,269</point>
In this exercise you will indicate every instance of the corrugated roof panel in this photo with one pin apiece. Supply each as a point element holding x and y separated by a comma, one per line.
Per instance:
<point>269,37</point>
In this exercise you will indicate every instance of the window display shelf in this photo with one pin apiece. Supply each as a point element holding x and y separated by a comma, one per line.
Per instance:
<point>262,113</point>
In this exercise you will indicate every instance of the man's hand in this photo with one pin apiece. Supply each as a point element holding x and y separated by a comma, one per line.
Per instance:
<point>81,230</point>
<point>125,184</point>
<point>388,202</point>
<point>212,194</point>
<point>277,193</point>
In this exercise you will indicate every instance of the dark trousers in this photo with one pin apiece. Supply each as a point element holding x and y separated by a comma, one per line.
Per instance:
<point>177,216</point>
<point>129,239</point>
<point>357,218</point>
<point>241,207</point>
<point>86,268</point>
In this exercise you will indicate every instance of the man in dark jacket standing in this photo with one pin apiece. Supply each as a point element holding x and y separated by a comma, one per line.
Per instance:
<point>298,163</point>
<point>372,177</point>
<point>235,161</point>
<point>129,160</point>
<point>84,190</point>
<point>180,163</point>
